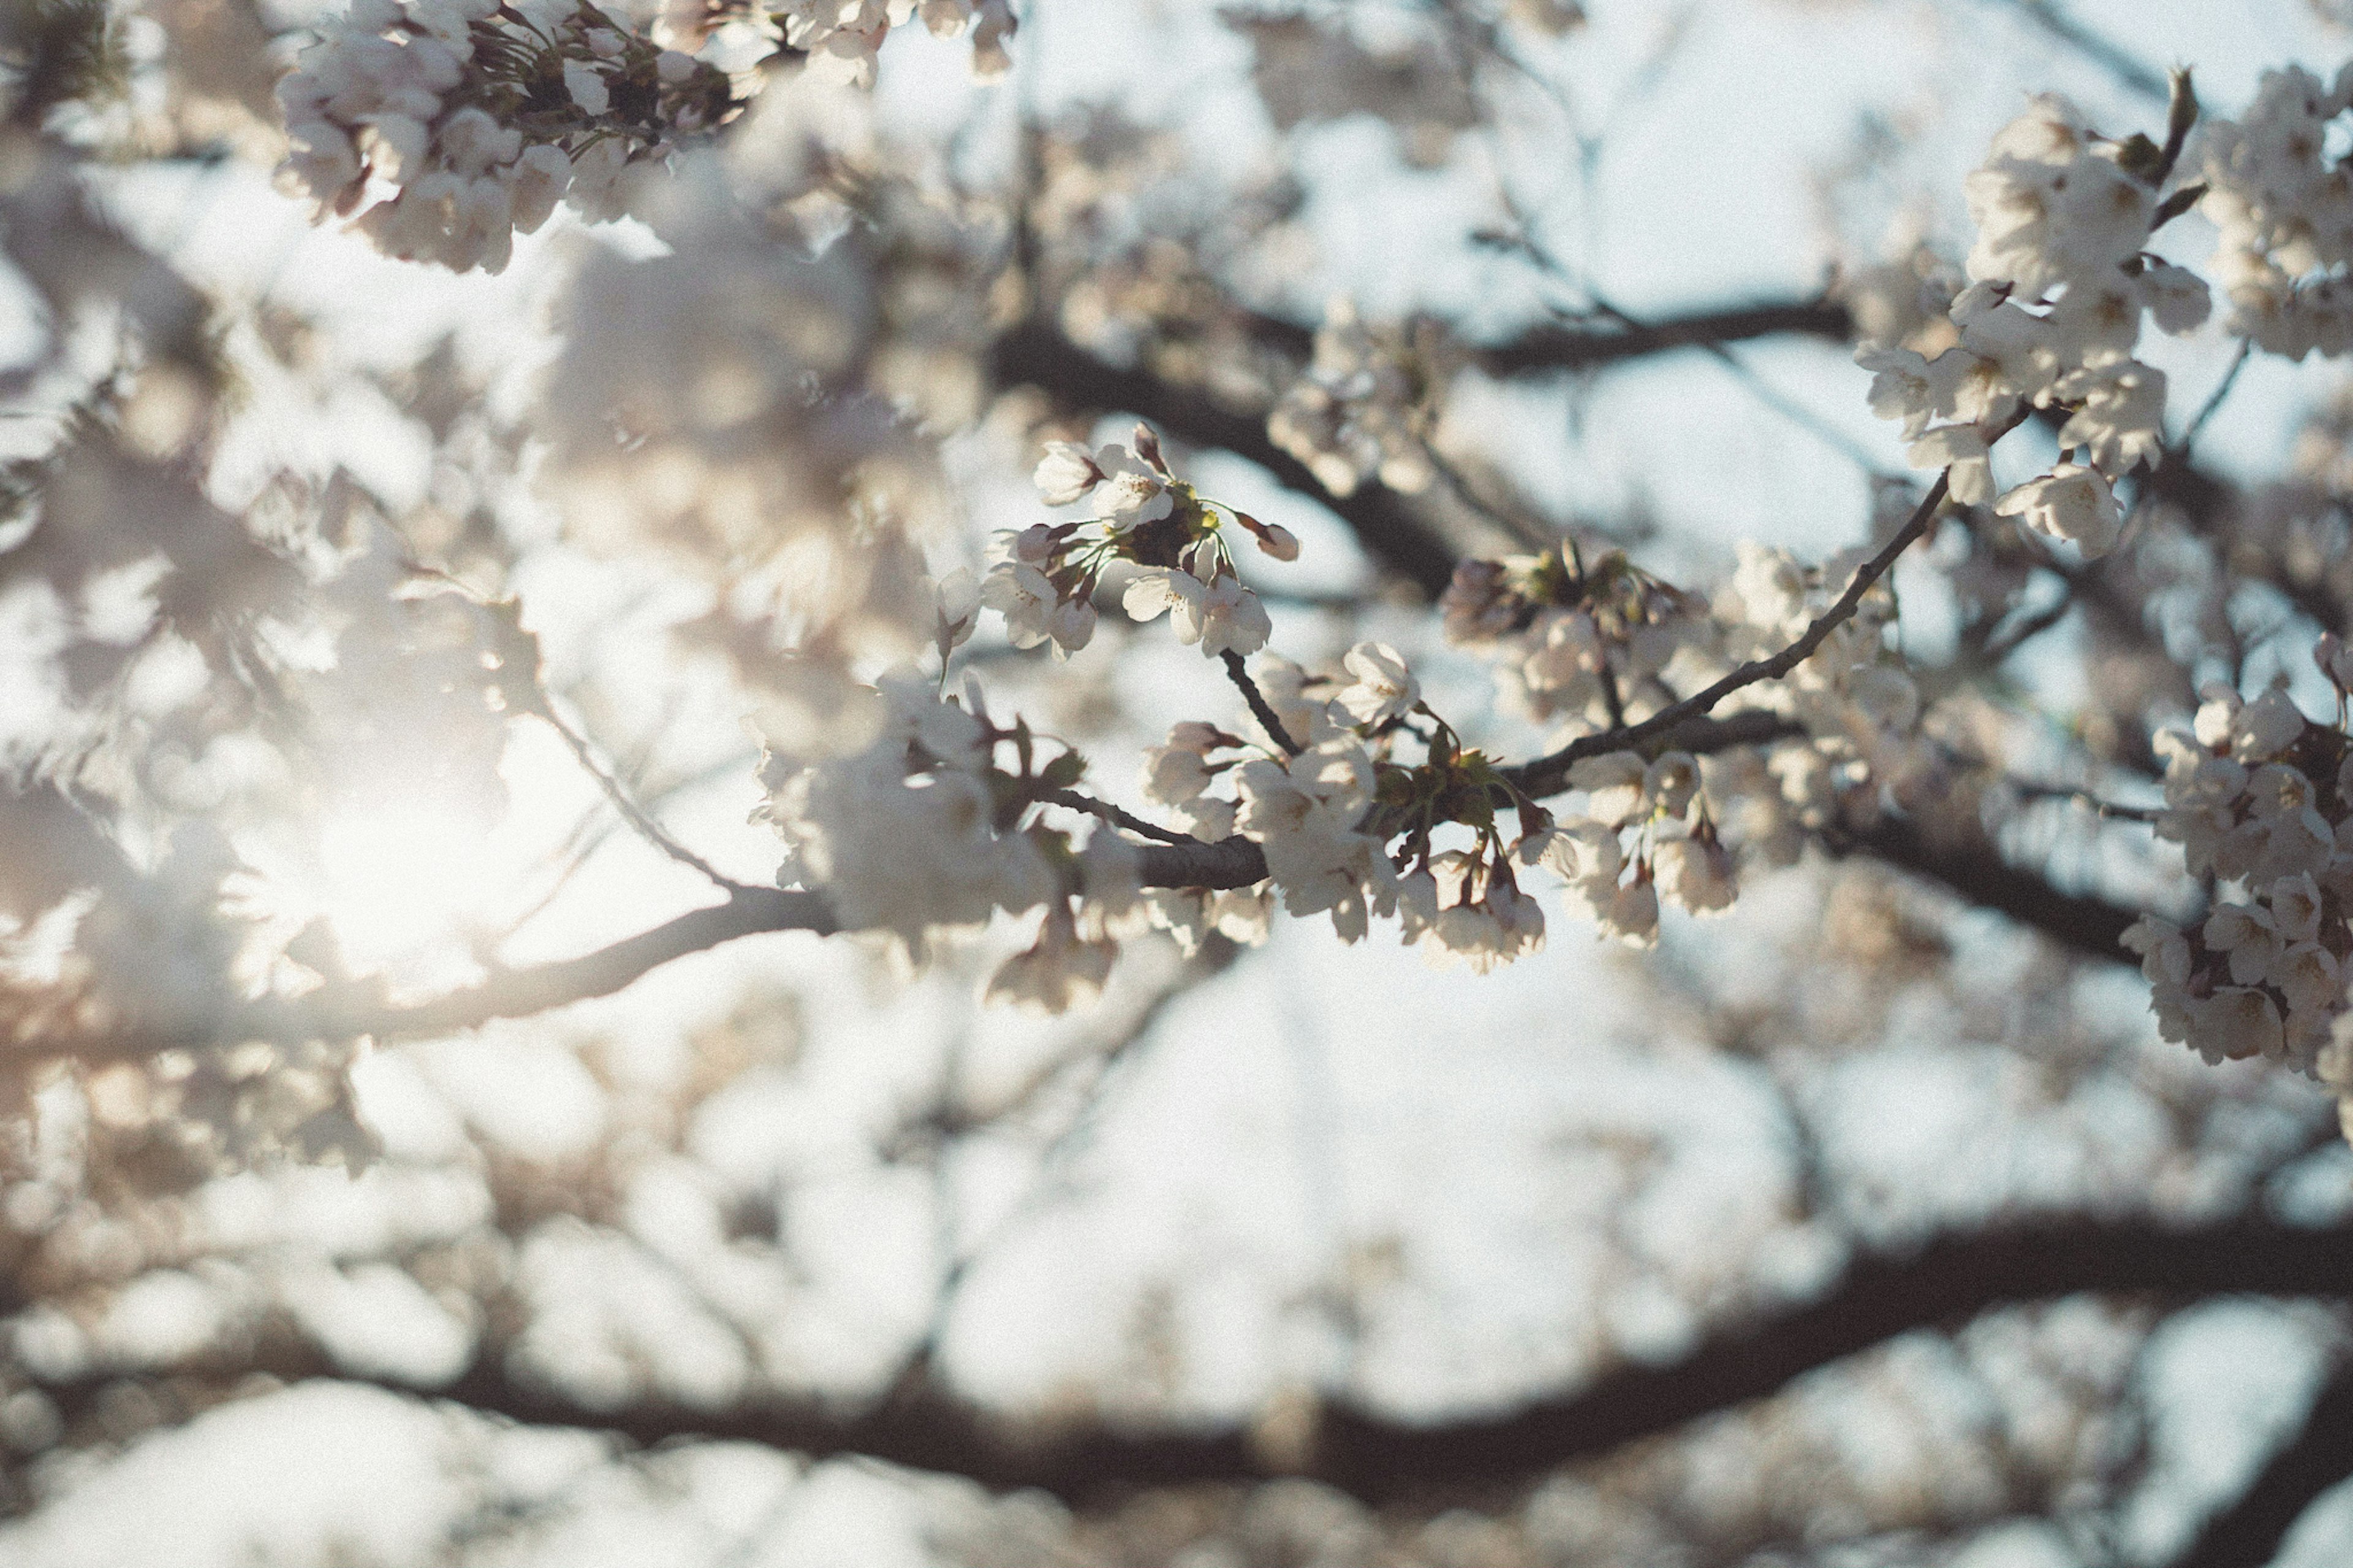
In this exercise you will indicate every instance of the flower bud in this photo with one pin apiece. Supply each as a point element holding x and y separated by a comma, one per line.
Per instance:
<point>1273,537</point>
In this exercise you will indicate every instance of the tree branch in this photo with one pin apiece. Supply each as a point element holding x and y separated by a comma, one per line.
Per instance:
<point>1391,530</point>
<point>2247,1534</point>
<point>1972,869</point>
<point>1383,1461</point>
<point>1549,774</point>
<point>1554,348</point>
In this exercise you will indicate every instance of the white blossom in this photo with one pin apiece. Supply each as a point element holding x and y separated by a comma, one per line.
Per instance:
<point>1383,688</point>
<point>2070,502</point>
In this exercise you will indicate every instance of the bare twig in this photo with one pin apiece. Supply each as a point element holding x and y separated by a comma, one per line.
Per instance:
<point>636,816</point>
<point>2100,51</point>
<point>2215,399</point>
<point>2028,789</point>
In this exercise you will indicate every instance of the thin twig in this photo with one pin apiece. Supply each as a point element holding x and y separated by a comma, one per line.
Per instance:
<point>1548,774</point>
<point>1112,814</point>
<point>1261,708</point>
<point>2215,399</point>
<point>2028,789</point>
<point>2005,643</point>
<point>635,815</point>
<point>2100,51</point>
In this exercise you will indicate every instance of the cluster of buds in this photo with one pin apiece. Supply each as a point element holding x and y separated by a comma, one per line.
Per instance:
<point>1648,831</point>
<point>1586,646</point>
<point>1174,546</point>
<point>468,120</point>
<point>1358,822</point>
<point>1459,905</point>
<point>2261,800</point>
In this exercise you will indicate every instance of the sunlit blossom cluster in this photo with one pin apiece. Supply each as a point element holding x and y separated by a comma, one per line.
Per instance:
<point>924,830</point>
<point>2285,211</point>
<point>1365,405</point>
<point>2061,278</point>
<point>712,402</point>
<point>459,123</point>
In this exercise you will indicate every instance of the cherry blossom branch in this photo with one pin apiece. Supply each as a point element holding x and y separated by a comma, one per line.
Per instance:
<point>1114,814</point>
<point>1549,774</point>
<point>1260,710</point>
<point>1392,531</point>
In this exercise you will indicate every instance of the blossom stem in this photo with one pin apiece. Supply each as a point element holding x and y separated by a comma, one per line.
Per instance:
<point>1261,708</point>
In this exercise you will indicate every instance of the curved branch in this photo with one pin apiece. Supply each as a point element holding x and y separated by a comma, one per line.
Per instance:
<point>1552,348</point>
<point>1383,1461</point>
<point>348,1011</point>
<point>1549,774</point>
<point>1392,531</point>
<point>2248,1533</point>
<point>1971,867</point>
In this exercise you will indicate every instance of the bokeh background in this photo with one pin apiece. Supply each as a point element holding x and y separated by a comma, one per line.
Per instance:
<point>1865,1224</point>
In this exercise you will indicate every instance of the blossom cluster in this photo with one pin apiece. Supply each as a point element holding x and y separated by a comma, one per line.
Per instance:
<point>2061,278</point>
<point>1367,403</point>
<point>1577,645</point>
<point>1324,815</point>
<point>921,829</point>
<point>843,36</point>
<point>713,401</point>
<point>2260,799</point>
<point>1169,545</point>
<point>469,121</point>
<point>2286,212</point>
<point>1611,644</point>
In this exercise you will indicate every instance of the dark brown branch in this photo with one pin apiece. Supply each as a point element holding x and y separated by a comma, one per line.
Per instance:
<point>2247,1534</point>
<point>1564,347</point>
<point>1971,867</point>
<point>1391,530</point>
<point>1384,1461</point>
<point>1260,710</point>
